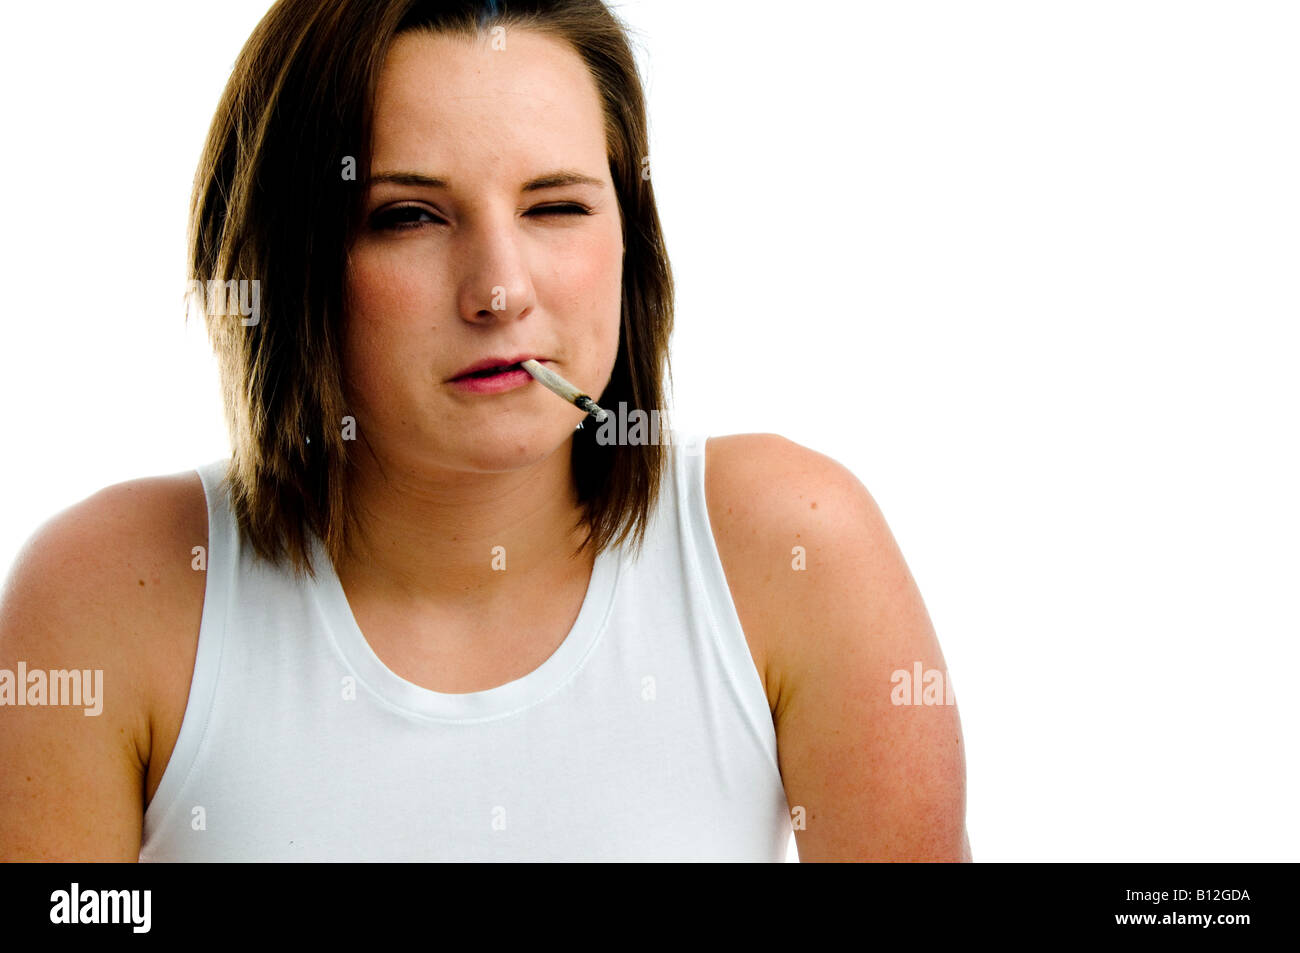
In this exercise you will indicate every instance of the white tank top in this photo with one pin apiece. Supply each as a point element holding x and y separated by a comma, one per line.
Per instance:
<point>646,736</point>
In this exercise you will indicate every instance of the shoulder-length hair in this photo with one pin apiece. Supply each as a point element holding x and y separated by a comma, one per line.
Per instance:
<point>273,208</point>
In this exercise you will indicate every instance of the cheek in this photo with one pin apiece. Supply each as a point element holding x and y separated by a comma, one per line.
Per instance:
<point>378,330</point>
<point>379,291</point>
<point>613,295</point>
<point>591,284</point>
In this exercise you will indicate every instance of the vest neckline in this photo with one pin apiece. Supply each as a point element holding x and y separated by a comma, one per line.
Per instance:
<point>503,700</point>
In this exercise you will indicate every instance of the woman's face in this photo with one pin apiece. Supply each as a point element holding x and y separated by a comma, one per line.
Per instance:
<point>444,276</point>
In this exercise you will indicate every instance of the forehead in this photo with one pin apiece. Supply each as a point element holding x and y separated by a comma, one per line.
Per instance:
<point>454,103</point>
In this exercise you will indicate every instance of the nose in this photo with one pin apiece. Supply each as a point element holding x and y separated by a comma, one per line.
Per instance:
<point>496,283</point>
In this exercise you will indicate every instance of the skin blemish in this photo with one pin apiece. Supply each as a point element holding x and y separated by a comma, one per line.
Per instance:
<point>814,506</point>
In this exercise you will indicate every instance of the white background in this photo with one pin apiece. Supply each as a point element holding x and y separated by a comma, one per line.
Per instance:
<point>1033,264</point>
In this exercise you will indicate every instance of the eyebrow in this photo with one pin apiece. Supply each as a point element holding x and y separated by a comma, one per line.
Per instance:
<point>547,180</point>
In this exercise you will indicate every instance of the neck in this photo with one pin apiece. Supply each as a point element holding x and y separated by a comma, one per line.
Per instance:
<point>432,538</point>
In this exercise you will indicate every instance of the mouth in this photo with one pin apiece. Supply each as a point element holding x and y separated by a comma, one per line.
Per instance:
<point>489,372</point>
<point>494,376</point>
<point>493,366</point>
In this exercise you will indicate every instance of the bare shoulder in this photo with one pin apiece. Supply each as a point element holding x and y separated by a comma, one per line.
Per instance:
<point>822,588</point>
<point>108,584</point>
<point>778,508</point>
<point>121,556</point>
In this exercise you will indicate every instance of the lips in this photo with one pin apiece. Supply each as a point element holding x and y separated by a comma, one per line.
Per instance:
<point>491,366</point>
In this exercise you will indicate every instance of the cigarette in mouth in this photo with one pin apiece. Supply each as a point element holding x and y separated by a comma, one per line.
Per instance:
<point>558,385</point>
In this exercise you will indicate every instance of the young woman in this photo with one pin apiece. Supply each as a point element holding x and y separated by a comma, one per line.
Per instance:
<point>417,614</point>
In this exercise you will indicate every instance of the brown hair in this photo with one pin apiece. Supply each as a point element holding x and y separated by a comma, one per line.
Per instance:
<point>271,203</point>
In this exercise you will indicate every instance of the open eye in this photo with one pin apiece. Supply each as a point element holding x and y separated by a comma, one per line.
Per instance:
<point>401,218</point>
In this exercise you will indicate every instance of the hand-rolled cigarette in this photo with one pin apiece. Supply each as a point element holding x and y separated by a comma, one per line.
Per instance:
<point>558,385</point>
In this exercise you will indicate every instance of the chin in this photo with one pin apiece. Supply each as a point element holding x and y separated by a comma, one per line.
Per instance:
<point>511,444</point>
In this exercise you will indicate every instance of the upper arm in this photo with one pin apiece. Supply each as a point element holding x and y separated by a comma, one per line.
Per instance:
<point>840,617</point>
<point>79,597</point>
